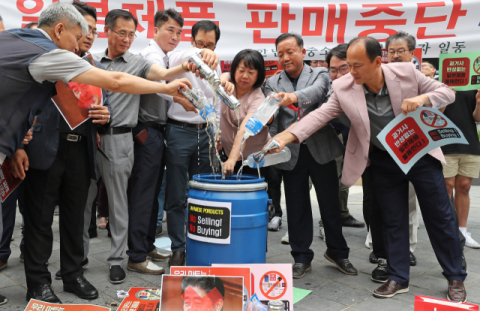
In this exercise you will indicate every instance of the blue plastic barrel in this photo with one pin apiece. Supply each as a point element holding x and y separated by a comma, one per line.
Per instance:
<point>249,220</point>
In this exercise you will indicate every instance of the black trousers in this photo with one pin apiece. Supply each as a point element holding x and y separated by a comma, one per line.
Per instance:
<point>391,184</point>
<point>373,216</point>
<point>144,187</point>
<point>299,208</point>
<point>274,188</point>
<point>66,182</point>
<point>372,213</point>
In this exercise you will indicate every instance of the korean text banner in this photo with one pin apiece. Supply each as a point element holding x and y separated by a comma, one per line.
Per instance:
<point>408,138</point>
<point>449,26</point>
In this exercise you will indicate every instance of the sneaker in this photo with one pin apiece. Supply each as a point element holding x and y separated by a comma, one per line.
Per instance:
<point>380,274</point>
<point>469,242</point>
<point>321,232</point>
<point>275,224</point>
<point>157,255</point>
<point>285,239</point>
<point>146,267</point>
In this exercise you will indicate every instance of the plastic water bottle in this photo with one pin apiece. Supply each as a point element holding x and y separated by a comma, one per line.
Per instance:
<point>196,97</point>
<point>268,160</point>
<point>261,116</point>
<point>209,114</point>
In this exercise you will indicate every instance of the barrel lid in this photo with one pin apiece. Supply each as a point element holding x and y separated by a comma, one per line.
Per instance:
<point>214,182</point>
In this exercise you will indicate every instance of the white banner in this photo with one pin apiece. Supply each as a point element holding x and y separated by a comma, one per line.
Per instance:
<point>449,26</point>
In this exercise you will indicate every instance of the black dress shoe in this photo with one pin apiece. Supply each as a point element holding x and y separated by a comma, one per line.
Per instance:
<point>82,288</point>
<point>379,274</point>
<point>352,222</point>
<point>158,231</point>
<point>43,293</point>
<point>413,260</point>
<point>178,259</point>
<point>300,269</point>
<point>117,275</point>
<point>92,233</point>
<point>344,265</point>
<point>464,263</point>
<point>58,275</point>
<point>372,258</point>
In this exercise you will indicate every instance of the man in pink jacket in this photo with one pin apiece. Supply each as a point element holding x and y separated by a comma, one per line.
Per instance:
<point>371,96</point>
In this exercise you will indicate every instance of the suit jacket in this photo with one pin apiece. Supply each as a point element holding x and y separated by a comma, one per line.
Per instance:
<point>403,81</point>
<point>42,150</point>
<point>312,87</point>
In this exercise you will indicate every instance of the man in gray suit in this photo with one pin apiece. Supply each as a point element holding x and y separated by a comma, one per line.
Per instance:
<point>304,88</point>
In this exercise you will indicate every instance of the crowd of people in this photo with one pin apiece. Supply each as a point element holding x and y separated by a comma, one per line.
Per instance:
<point>137,152</point>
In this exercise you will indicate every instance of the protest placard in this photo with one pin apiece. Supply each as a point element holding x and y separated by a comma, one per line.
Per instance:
<point>460,70</point>
<point>409,137</point>
<point>8,182</point>
<point>73,100</point>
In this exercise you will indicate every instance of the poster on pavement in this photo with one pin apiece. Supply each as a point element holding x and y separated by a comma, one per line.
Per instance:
<point>270,282</point>
<point>407,138</point>
<point>205,292</point>
<point>220,271</point>
<point>37,305</point>
<point>141,299</point>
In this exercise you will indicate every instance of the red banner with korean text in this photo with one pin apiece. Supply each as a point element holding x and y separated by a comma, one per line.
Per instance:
<point>439,26</point>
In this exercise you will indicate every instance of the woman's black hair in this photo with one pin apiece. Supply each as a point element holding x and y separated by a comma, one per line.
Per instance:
<point>251,59</point>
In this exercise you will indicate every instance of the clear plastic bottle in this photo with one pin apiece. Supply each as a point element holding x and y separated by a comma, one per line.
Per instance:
<point>271,159</point>
<point>209,114</point>
<point>261,116</point>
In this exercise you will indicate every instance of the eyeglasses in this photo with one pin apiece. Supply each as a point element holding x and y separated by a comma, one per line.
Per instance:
<point>93,33</point>
<point>124,35</point>
<point>399,52</point>
<point>343,70</point>
<point>314,62</point>
<point>200,45</point>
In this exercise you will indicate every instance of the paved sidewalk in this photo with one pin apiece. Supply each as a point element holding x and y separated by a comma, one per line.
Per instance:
<point>332,290</point>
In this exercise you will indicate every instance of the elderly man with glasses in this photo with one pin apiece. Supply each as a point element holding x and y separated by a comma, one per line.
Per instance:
<point>116,162</point>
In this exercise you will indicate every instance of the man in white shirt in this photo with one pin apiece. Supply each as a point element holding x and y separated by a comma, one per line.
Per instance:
<point>149,146</point>
<point>188,144</point>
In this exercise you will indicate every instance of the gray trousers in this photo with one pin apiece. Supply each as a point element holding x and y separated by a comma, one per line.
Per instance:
<point>92,193</point>
<point>115,172</point>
